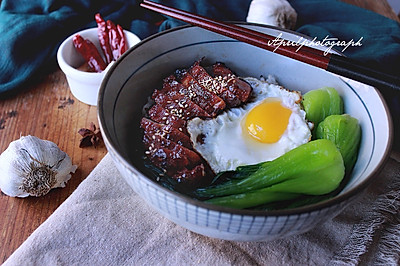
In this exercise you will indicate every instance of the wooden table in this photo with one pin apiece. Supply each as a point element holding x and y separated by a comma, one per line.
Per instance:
<point>49,111</point>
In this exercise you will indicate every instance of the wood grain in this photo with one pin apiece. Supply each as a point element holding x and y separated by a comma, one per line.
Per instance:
<point>49,111</point>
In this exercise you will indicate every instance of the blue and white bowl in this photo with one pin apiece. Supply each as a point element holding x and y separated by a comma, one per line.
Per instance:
<point>129,83</point>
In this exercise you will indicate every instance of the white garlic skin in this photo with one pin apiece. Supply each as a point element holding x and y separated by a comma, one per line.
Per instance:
<point>277,13</point>
<point>17,160</point>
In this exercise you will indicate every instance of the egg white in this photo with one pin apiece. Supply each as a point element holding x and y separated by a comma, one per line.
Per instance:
<point>223,143</point>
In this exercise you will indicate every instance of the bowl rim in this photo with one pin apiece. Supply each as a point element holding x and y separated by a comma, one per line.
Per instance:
<point>244,212</point>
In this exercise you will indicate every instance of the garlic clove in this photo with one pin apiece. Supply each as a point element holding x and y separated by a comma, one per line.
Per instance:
<point>32,167</point>
<point>7,184</point>
<point>272,12</point>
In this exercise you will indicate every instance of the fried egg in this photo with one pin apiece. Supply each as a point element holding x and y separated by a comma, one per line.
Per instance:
<point>271,124</point>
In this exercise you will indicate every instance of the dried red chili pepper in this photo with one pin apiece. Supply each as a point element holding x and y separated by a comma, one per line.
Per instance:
<point>104,38</point>
<point>114,38</point>
<point>122,43</point>
<point>89,51</point>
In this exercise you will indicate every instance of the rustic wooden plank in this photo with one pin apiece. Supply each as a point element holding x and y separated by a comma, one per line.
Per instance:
<point>48,111</point>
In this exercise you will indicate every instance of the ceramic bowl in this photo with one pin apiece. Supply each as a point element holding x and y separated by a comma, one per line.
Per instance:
<point>84,85</point>
<point>130,81</point>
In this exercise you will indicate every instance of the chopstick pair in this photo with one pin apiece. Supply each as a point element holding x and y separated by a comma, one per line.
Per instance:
<point>330,62</point>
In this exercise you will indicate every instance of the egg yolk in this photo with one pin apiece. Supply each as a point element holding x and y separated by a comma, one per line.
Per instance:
<point>267,121</point>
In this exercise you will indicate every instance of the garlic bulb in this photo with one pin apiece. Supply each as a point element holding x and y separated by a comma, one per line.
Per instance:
<point>32,167</point>
<point>272,12</point>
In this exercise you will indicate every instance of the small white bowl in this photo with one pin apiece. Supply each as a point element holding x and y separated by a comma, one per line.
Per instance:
<point>84,85</point>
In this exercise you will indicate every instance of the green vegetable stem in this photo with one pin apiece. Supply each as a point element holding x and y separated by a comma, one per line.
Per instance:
<point>345,132</point>
<point>314,168</point>
<point>322,103</point>
<point>252,198</point>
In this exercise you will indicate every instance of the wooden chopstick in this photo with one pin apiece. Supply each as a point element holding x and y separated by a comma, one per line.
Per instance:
<point>331,62</point>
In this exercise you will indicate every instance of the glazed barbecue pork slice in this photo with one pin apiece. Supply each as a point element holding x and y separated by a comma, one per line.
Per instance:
<point>207,100</point>
<point>195,177</point>
<point>178,104</point>
<point>166,131</point>
<point>217,85</point>
<point>178,162</point>
<point>161,115</point>
<point>233,83</point>
<point>174,89</point>
<point>169,155</point>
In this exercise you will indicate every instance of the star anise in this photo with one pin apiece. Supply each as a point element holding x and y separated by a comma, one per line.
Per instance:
<point>90,137</point>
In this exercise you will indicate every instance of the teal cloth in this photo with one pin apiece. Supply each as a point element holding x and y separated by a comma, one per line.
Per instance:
<point>381,36</point>
<point>32,30</point>
<point>380,40</point>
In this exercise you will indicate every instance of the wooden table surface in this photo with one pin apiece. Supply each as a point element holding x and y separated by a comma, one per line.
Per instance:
<point>49,111</point>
